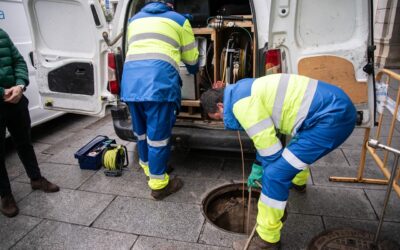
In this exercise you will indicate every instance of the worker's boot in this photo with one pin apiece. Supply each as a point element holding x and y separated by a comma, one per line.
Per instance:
<point>300,188</point>
<point>9,206</point>
<point>256,243</point>
<point>44,185</point>
<point>173,186</point>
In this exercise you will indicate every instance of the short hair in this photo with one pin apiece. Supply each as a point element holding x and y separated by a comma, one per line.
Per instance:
<point>210,98</point>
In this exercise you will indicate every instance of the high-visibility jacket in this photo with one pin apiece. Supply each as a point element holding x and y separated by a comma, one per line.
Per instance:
<point>279,102</point>
<point>158,40</point>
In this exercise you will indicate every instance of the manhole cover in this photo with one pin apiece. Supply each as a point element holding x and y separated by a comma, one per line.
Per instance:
<point>349,239</point>
<point>225,208</point>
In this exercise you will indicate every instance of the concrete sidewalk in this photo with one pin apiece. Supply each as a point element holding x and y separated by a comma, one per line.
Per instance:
<point>93,211</point>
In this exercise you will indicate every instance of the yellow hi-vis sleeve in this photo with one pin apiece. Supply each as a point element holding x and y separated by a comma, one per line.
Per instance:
<point>189,51</point>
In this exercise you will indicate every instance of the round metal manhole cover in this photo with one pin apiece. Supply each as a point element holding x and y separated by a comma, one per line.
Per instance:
<point>349,239</point>
<point>226,207</point>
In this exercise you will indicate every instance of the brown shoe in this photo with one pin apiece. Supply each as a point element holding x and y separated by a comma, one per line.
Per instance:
<point>173,186</point>
<point>9,206</point>
<point>44,185</point>
<point>256,243</point>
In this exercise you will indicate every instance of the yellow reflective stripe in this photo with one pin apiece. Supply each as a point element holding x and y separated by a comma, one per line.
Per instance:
<point>157,144</point>
<point>152,56</point>
<point>188,47</point>
<point>158,183</point>
<point>157,36</point>
<point>259,127</point>
<point>140,137</point>
<point>270,150</point>
<point>293,160</point>
<point>272,202</point>
<point>279,99</point>
<point>305,104</point>
<point>269,222</point>
<point>302,177</point>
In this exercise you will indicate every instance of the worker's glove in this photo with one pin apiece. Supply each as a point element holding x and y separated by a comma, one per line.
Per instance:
<point>255,175</point>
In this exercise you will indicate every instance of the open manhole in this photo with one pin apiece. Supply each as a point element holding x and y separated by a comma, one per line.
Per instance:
<point>348,238</point>
<point>225,208</point>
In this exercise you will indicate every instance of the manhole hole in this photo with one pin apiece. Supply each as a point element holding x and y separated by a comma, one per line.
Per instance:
<point>225,208</point>
<point>348,238</point>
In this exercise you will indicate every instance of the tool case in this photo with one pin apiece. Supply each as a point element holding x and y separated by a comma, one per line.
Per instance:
<point>90,155</point>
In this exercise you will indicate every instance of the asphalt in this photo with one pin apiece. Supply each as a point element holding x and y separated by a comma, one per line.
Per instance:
<point>93,211</point>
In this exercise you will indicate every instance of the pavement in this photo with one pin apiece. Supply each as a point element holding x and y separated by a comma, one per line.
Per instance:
<point>93,211</point>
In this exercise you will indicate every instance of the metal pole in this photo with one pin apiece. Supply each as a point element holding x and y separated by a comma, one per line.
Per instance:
<point>376,144</point>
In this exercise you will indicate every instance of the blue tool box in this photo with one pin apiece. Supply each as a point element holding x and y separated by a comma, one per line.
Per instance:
<point>90,155</point>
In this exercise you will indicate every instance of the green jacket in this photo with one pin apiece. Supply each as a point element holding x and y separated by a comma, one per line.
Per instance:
<point>13,69</point>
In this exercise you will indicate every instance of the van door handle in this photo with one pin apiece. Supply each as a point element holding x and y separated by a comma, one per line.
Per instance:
<point>31,58</point>
<point>80,72</point>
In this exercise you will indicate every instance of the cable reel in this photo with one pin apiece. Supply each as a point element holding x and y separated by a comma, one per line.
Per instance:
<point>114,159</point>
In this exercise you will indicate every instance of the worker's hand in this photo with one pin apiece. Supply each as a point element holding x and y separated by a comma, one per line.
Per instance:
<point>256,174</point>
<point>13,95</point>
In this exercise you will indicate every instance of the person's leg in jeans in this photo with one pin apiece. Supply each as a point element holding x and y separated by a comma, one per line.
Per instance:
<point>18,123</point>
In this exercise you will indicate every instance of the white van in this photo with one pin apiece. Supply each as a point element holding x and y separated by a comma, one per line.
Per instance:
<point>13,21</point>
<point>78,72</point>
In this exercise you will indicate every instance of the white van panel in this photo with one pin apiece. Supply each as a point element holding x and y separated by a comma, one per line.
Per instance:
<point>16,25</point>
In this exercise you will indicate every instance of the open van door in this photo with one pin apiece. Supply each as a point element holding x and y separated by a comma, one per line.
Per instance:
<point>70,54</point>
<point>326,40</point>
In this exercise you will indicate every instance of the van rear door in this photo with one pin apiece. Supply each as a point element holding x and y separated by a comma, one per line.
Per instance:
<point>326,40</point>
<point>70,54</point>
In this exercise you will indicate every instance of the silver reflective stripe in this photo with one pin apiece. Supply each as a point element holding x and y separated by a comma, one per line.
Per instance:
<point>150,56</point>
<point>258,127</point>
<point>157,36</point>
<point>188,47</point>
<point>189,62</point>
<point>279,99</point>
<point>160,177</point>
<point>272,203</point>
<point>143,163</point>
<point>293,160</point>
<point>270,150</point>
<point>158,144</point>
<point>305,104</point>
<point>140,137</point>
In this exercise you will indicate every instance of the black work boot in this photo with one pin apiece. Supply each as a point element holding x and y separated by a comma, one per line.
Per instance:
<point>256,243</point>
<point>300,188</point>
<point>9,206</point>
<point>173,186</point>
<point>44,185</point>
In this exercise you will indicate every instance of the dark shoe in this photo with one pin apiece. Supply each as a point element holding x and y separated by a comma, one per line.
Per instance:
<point>300,188</point>
<point>44,185</point>
<point>173,186</point>
<point>9,206</point>
<point>256,243</point>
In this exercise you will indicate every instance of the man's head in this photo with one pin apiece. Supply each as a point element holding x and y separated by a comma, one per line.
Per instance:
<point>212,103</point>
<point>170,3</point>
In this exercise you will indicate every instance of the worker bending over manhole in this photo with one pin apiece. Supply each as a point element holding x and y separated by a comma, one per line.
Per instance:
<point>319,116</point>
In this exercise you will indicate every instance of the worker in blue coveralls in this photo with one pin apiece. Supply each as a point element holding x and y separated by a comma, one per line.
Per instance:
<point>158,40</point>
<point>318,115</point>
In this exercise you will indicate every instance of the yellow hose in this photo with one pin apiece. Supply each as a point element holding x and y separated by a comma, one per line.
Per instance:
<point>110,158</point>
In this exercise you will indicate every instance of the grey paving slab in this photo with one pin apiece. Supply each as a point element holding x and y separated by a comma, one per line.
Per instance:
<point>390,230</point>
<point>53,136</point>
<point>57,235</point>
<point>20,190</point>
<point>14,171</point>
<point>76,140</point>
<point>13,229</point>
<point>66,156</point>
<point>67,205</point>
<point>177,221</point>
<point>232,169</point>
<point>213,235</point>
<point>200,167</point>
<point>65,176</point>
<point>132,183</point>
<point>332,201</point>
<point>322,173</point>
<point>144,243</point>
<point>377,199</point>
<point>335,157</point>
<point>299,229</point>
